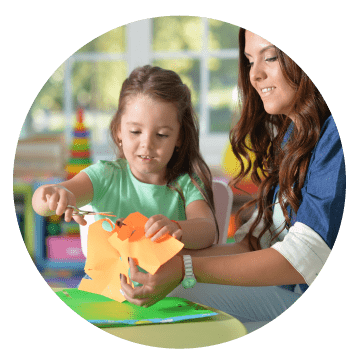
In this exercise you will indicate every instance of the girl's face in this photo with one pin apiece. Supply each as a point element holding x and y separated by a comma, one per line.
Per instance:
<point>266,75</point>
<point>149,132</point>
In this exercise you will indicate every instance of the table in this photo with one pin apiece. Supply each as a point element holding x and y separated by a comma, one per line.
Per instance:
<point>187,334</point>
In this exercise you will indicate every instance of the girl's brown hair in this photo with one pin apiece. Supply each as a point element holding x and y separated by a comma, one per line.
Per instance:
<point>262,134</point>
<point>167,86</point>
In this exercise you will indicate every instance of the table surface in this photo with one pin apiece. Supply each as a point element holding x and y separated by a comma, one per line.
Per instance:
<point>186,334</point>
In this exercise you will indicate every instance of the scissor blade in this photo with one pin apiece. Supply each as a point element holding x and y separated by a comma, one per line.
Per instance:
<point>106,214</point>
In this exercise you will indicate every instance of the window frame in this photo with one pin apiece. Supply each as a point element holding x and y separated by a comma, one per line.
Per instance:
<point>139,36</point>
<point>212,145</point>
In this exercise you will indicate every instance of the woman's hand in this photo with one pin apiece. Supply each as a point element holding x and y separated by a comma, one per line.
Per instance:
<point>56,198</point>
<point>159,225</point>
<point>155,287</point>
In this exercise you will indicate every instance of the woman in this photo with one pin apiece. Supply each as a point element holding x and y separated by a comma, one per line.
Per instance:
<point>299,168</point>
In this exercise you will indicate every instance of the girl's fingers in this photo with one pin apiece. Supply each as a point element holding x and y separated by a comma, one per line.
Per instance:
<point>63,203</point>
<point>58,202</point>
<point>80,220</point>
<point>151,229</point>
<point>153,224</point>
<point>178,234</point>
<point>45,196</point>
<point>53,202</point>
<point>161,233</point>
<point>160,226</point>
<point>68,214</point>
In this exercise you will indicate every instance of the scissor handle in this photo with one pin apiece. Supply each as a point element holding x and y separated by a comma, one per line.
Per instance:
<point>78,211</point>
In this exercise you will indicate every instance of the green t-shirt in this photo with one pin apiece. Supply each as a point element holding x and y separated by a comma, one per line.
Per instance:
<point>116,190</point>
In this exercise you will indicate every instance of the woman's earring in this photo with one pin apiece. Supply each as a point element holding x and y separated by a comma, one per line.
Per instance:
<point>176,149</point>
<point>120,143</point>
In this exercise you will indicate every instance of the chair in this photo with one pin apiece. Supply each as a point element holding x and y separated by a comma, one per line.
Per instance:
<point>223,199</point>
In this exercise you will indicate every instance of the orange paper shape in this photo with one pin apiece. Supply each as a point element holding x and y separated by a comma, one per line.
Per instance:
<point>108,252</point>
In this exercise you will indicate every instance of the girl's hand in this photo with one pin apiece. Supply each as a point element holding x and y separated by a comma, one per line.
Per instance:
<point>57,198</point>
<point>155,287</point>
<point>159,225</point>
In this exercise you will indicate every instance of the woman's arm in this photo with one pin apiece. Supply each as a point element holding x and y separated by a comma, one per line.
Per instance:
<point>266,267</point>
<point>52,199</point>
<point>220,249</point>
<point>259,268</point>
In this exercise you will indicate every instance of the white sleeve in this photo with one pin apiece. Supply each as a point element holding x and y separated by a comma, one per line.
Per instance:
<point>244,230</point>
<point>305,250</point>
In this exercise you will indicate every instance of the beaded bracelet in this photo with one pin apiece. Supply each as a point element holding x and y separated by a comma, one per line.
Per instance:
<point>177,224</point>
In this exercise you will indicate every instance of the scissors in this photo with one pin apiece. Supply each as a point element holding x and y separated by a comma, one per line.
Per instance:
<point>80,212</point>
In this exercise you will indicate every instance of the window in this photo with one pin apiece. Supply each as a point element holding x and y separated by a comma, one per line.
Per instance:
<point>204,52</point>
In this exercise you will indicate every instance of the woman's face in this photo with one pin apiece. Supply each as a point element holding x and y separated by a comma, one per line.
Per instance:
<point>266,75</point>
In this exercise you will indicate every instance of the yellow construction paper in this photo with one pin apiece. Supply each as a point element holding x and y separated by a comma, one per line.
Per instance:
<point>108,252</point>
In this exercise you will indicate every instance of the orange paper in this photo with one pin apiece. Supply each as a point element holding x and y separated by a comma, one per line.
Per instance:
<point>108,252</point>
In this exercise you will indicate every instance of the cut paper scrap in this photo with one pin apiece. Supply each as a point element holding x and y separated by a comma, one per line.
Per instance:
<point>102,264</point>
<point>108,252</point>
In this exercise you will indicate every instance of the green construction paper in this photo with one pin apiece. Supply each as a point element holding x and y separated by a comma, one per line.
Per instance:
<point>105,312</point>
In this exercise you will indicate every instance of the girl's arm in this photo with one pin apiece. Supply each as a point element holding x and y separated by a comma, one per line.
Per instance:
<point>199,230</point>
<point>52,199</point>
<point>259,268</point>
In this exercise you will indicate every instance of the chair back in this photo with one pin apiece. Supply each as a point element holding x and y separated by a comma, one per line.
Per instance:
<point>223,200</point>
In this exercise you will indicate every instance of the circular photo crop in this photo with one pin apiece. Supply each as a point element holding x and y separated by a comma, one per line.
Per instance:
<point>179,182</point>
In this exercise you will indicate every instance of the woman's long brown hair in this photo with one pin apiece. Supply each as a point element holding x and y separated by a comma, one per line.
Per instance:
<point>167,86</point>
<point>262,134</point>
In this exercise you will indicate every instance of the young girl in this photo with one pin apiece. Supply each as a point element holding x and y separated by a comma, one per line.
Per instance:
<point>300,169</point>
<point>160,171</point>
